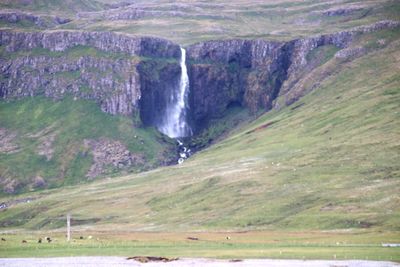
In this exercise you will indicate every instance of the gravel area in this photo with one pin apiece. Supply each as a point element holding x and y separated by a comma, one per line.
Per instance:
<point>119,261</point>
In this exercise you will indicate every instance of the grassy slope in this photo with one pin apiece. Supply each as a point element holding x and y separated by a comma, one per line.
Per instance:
<point>330,163</point>
<point>71,122</point>
<point>56,7</point>
<point>321,181</point>
<point>281,20</point>
<point>222,19</point>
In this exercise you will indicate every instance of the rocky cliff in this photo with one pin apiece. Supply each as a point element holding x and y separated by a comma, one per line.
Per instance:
<point>253,73</point>
<point>245,72</point>
<point>134,75</point>
<point>104,67</point>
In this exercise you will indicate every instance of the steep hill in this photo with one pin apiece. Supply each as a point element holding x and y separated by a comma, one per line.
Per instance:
<point>328,161</point>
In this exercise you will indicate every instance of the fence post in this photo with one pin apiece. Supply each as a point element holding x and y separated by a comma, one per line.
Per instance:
<point>68,227</point>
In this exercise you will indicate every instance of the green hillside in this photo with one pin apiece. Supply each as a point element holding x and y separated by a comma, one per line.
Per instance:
<point>317,179</point>
<point>329,161</point>
<point>56,7</point>
<point>46,139</point>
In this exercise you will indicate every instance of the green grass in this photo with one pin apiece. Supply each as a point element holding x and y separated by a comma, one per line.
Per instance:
<point>273,245</point>
<point>71,122</point>
<point>216,129</point>
<point>330,163</point>
<point>68,7</point>
<point>318,178</point>
<point>279,20</point>
<point>322,54</point>
<point>71,53</point>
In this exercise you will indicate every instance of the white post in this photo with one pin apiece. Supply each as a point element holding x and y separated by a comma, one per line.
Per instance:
<point>68,227</point>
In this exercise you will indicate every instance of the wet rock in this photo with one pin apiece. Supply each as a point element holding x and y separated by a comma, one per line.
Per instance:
<point>247,72</point>
<point>157,81</point>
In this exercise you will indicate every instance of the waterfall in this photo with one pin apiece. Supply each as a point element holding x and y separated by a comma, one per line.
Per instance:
<point>174,122</point>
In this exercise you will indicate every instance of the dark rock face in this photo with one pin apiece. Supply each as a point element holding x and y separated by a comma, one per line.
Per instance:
<point>157,80</point>
<point>234,72</point>
<point>253,73</point>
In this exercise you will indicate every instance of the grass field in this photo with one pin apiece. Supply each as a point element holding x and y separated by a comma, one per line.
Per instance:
<point>258,244</point>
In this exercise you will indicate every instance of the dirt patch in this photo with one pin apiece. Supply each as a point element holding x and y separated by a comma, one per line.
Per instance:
<point>10,185</point>
<point>108,152</point>
<point>145,259</point>
<point>10,203</point>
<point>266,125</point>
<point>7,141</point>
<point>46,138</point>
<point>297,106</point>
<point>45,148</point>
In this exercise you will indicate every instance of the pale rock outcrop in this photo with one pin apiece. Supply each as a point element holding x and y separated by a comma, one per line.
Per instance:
<point>109,153</point>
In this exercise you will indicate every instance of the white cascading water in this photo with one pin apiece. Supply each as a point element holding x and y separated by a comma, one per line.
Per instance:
<point>174,123</point>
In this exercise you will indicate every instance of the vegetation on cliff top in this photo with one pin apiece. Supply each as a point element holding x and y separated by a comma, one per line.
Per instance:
<point>187,23</point>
